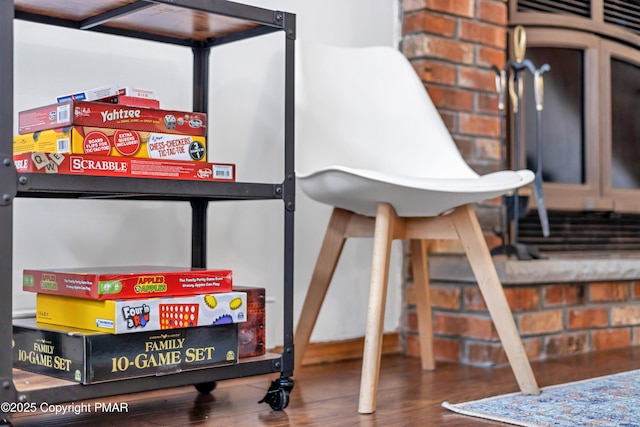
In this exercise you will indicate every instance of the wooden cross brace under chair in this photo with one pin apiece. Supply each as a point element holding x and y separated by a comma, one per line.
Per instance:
<point>462,224</point>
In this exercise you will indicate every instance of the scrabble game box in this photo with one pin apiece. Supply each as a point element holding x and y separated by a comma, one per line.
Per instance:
<point>107,115</point>
<point>136,315</point>
<point>142,281</point>
<point>83,164</point>
<point>90,357</point>
<point>112,142</point>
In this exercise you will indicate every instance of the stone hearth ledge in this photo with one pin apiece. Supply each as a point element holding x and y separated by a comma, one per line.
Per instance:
<point>564,268</point>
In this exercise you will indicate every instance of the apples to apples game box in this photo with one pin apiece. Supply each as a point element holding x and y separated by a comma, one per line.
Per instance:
<point>103,283</point>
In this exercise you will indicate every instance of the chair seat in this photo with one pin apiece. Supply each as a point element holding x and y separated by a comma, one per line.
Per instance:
<point>360,190</point>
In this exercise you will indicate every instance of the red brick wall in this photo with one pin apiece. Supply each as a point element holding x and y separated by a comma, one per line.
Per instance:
<point>553,320</point>
<point>452,45</point>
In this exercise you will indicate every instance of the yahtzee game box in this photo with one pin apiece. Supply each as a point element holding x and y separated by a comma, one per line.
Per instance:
<point>137,315</point>
<point>89,357</point>
<point>106,115</point>
<point>142,281</point>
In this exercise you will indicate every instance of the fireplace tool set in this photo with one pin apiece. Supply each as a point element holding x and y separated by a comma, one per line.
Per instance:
<point>510,80</point>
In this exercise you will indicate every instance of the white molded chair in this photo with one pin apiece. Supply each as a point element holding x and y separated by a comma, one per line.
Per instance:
<point>371,144</point>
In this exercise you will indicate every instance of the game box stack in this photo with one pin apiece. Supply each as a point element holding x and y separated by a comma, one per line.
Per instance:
<point>100,324</point>
<point>108,323</point>
<point>124,124</point>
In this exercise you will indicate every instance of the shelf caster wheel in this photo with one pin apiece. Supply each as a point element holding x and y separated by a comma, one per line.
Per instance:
<point>277,396</point>
<point>278,399</point>
<point>206,388</point>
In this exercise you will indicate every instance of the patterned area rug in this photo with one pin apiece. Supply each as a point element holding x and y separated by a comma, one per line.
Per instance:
<point>612,400</point>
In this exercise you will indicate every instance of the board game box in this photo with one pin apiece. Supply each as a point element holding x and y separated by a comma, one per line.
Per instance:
<point>84,164</point>
<point>133,101</point>
<point>135,92</point>
<point>251,333</point>
<point>116,95</point>
<point>106,115</point>
<point>92,94</point>
<point>90,357</point>
<point>143,281</point>
<point>112,142</point>
<point>136,315</point>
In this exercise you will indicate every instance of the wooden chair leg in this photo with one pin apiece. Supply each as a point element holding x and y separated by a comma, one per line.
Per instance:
<point>475,246</point>
<point>423,301</point>
<point>326,263</point>
<point>383,236</point>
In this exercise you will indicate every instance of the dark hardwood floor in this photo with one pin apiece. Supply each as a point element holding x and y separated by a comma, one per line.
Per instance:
<point>326,395</point>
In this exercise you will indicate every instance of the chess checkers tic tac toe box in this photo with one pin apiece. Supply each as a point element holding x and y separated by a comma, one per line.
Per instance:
<point>90,357</point>
<point>112,142</point>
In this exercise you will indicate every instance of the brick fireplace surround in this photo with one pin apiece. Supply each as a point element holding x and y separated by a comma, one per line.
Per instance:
<point>563,305</point>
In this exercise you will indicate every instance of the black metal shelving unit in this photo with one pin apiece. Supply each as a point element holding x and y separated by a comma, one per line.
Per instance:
<point>196,24</point>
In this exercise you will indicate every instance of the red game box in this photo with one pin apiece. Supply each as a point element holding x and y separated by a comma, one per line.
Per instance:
<point>102,114</point>
<point>82,164</point>
<point>110,283</point>
<point>132,101</point>
<point>251,333</point>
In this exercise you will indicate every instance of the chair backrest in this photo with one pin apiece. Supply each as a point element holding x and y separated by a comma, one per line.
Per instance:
<point>366,108</point>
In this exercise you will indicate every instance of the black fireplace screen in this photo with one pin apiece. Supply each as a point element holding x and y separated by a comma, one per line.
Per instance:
<point>582,231</point>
